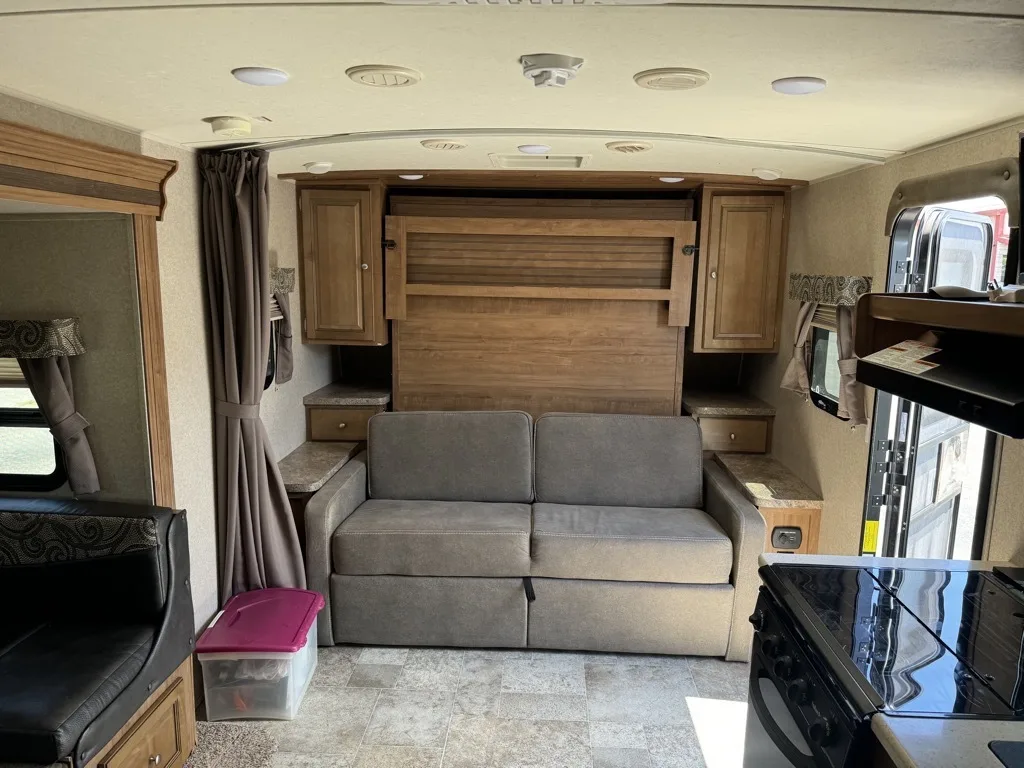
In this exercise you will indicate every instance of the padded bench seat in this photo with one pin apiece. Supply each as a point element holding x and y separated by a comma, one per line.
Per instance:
<point>434,538</point>
<point>672,546</point>
<point>56,678</point>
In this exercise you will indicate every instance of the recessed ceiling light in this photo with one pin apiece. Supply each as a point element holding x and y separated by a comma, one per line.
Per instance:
<point>671,79</point>
<point>534,149</point>
<point>671,179</point>
<point>410,176</point>
<point>319,166</point>
<point>768,174</point>
<point>260,75</point>
<point>798,86</point>
<point>383,75</point>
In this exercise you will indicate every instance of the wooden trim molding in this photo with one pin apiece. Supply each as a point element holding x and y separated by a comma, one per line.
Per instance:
<point>154,361</point>
<point>39,166</point>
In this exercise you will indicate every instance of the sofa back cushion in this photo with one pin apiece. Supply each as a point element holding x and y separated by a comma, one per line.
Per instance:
<point>618,460</point>
<point>451,456</point>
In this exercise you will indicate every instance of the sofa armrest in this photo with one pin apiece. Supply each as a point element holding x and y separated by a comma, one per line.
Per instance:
<point>325,511</point>
<point>745,526</point>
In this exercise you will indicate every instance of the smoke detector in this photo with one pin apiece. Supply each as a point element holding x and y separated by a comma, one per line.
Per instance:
<point>629,147</point>
<point>550,70</point>
<point>230,127</point>
<point>383,76</point>
<point>671,79</point>
<point>444,145</point>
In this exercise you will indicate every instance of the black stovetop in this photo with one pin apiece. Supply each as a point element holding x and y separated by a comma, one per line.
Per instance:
<point>928,642</point>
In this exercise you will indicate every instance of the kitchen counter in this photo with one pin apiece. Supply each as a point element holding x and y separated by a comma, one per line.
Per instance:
<point>724,404</point>
<point>341,394</point>
<point>308,467</point>
<point>767,483</point>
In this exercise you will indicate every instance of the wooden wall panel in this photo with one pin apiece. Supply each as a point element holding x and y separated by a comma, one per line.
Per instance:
<point>538,355</point>
<point>675,209</point>
<point>611,262</point>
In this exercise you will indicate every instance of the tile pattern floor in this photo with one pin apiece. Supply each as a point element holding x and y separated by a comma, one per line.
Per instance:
<point>444,708</point>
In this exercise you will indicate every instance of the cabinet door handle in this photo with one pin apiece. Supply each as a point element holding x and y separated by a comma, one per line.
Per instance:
<point>732,435</point>
<point>154,759</point>
<point>365,266</point>
<point>342,425</point>
<point>714,274</point>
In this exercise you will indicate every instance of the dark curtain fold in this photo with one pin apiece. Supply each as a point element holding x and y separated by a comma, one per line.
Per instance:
<point>258,543</point>
<point>49,379</point>
<point>283,335</point>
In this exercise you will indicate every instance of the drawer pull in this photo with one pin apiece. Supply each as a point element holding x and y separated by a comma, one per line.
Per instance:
<point>342,425</point>
<point>732,435</point>
<point>365,266</point>
<point>714,275</point>
<point>154,759</point>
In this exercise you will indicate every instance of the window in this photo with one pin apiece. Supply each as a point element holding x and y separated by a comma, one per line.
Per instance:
<point>824,369</point>
<point>30,459</point>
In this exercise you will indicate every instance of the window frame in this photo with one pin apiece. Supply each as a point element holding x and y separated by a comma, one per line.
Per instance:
<point>26,417</point>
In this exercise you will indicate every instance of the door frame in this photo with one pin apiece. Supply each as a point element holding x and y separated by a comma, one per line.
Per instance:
<point>43,167</point>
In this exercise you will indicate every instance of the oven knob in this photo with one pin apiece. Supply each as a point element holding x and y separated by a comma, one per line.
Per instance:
<point>797,691</point>
<point>757,619</point>
<point>783,667</point>
<point>821,732</point>
<point>770,645</point>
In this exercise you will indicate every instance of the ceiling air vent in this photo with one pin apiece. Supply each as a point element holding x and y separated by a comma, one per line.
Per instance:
<point>383,76</point>
<point>629,147</point>
<point>444,145</point>
<point>534,162</point>
<point>671,79</point>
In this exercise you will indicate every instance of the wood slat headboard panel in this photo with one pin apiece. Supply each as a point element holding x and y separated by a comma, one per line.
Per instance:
<point>537,355</point>
<point>668,209</point>
<point>613,262</point>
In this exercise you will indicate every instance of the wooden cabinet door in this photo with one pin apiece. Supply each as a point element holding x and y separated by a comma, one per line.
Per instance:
<point>740,287</point>
<point>341,267</point>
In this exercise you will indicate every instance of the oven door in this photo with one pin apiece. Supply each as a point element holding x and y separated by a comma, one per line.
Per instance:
<point>773,738</point>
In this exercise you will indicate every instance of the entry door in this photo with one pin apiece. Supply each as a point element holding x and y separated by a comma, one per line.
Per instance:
<point>928,473</point>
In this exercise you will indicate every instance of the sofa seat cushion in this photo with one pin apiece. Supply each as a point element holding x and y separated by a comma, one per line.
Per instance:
<point>56,678</point>
<point>675,546</point>
<point>434,538</point>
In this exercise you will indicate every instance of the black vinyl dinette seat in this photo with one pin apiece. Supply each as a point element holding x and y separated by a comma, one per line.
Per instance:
<point>95,613</point>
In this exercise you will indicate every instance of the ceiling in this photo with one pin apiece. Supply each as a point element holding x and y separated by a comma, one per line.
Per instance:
<point>896,80</point>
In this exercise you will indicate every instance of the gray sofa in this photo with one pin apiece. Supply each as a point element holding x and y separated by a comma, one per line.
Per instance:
<point>630,545</point>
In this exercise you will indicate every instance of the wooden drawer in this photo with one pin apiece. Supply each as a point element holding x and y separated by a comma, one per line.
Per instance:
<point>748,435</point>
<point>158,738</point>
<point>338,423</point>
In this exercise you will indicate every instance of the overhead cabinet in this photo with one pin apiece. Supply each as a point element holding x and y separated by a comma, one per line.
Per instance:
<point>342,267</point>
<point>740,271</point>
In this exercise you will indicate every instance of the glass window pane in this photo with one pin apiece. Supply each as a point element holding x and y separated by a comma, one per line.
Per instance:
<point>963,254</point>
<point>26,451</point>
<point>825,363</point>
<point>17,397</point>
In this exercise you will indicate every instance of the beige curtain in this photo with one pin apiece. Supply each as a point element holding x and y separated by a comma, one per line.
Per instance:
<point>258,543</point>
<point>851,391</point>
<point>796,375</point>
<point>49,379</point>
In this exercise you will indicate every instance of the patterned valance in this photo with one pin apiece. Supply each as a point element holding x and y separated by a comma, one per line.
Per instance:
<point>282,280</point>
<point>838,290</point>
<point>29,339</point>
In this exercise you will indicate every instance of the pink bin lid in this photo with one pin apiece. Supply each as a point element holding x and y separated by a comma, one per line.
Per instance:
<point>274,620</point>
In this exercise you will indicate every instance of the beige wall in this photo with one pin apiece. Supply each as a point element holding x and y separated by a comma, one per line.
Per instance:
<point>836,227</point>
<point>187,351</point>
<point>83,265</point>
<point>281,409</point>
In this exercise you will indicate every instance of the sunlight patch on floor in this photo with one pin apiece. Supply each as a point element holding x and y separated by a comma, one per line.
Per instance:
<point>720,727</point>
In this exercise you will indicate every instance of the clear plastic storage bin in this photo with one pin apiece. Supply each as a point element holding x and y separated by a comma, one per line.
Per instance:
<point>260,654</point>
